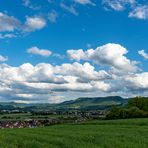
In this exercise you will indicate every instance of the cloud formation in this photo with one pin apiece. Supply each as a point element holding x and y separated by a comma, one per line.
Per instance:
<point>112,55</point>
<point>117,5</point>
<point>42,52</point>
<point>139,12</point>
<point>138,82</point>
<point>143,54</point>
<point>10,26</point>
<point>45,82</point>
<point>7,36</point>
<point>8,23</point>
<point>28,4</point>
<point>3,59</point>
<point>70,8</point>
<point>136,9</point>
<point>27,81</point>
<point>34,23</point>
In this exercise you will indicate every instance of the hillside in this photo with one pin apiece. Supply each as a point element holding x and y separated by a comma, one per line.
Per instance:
<point>93,103</point>
<point>88,103</point>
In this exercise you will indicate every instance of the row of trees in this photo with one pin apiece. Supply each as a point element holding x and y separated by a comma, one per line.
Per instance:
<point>136,108</point>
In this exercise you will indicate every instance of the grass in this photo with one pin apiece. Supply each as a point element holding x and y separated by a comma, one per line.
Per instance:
<point>23,116</point>
<point>129,133</point>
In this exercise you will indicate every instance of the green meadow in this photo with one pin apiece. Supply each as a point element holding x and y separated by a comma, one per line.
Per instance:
<point>128,133</point>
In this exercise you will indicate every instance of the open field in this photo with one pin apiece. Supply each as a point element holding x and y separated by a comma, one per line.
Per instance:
<point>130,133</point>
<point>23,116</point>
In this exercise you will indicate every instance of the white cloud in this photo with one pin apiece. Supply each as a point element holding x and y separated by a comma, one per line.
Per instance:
<point>138,81</point>
<point>34,23</point>
<point>8,35</point>
<point>52,16</point>
<point>28,4</point>
<point>8,23</point>
<point>41,52</point>
<point>140,12</point>
<point>110,54</point>
<point>84,2</point>
<point>143,54</point>
<point>84,72</point>
<point>117,5</point>
<point>136,8</point>
<point>77,54</point>
<point>28,82</point>
<point>47,83</point>
<point>3,59</point>
<point>70,8</point>
<point>11,24</point>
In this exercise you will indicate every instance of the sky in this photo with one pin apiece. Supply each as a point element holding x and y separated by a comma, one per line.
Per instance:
<point>57,50</point>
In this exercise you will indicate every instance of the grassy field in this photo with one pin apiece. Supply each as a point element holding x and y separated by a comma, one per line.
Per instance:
<point>131,133</point>
<point>23,116</point>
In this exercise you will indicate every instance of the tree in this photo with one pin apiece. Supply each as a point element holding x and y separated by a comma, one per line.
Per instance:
<point>140,102</point>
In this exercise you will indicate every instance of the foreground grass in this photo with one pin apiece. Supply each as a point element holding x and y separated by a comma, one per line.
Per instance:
<point>130,133</point>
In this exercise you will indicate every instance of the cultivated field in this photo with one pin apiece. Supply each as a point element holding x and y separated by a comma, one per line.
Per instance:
<point>130,133</point>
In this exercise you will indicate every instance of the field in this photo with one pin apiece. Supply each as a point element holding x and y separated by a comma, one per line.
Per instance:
<point>23,116</point>
<point>130,133</point>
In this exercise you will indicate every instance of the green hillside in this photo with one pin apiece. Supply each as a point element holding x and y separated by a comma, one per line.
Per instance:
<point>93,103</point>
<point>80,103</point>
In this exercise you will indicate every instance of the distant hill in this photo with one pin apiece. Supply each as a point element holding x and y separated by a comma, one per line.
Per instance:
<point>85,103</point>
<point>93,102</point>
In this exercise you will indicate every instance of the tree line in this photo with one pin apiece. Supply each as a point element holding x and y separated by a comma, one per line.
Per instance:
<point>136,108</point>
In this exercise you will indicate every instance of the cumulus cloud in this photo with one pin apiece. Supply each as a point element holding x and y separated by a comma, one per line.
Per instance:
<point>45,82</point>
<point>12,24</point>
<point>8,23</point>
<point>85,73</point>
<point>42,52</point>
<point>28,82</point>
<point>3,59</point>
<point>34,23</point>
<point>143,54</point>
<point>138,82</point>
<point>77,54</point>
<point>112,55</point>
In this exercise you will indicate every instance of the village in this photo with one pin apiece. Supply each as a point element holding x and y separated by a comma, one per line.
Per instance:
<point>11,119</point>
<point>27,123</point>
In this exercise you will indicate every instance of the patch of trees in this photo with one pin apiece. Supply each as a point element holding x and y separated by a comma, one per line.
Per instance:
<point>136,108</point>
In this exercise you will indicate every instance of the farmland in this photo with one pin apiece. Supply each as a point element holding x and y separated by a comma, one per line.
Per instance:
<point>131,133</point>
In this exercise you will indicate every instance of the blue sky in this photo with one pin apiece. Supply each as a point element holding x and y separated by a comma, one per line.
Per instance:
<point>44,31</point>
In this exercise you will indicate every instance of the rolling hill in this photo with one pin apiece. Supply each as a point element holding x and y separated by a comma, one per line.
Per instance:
<point>93,103</point>
<point>87,103</point>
